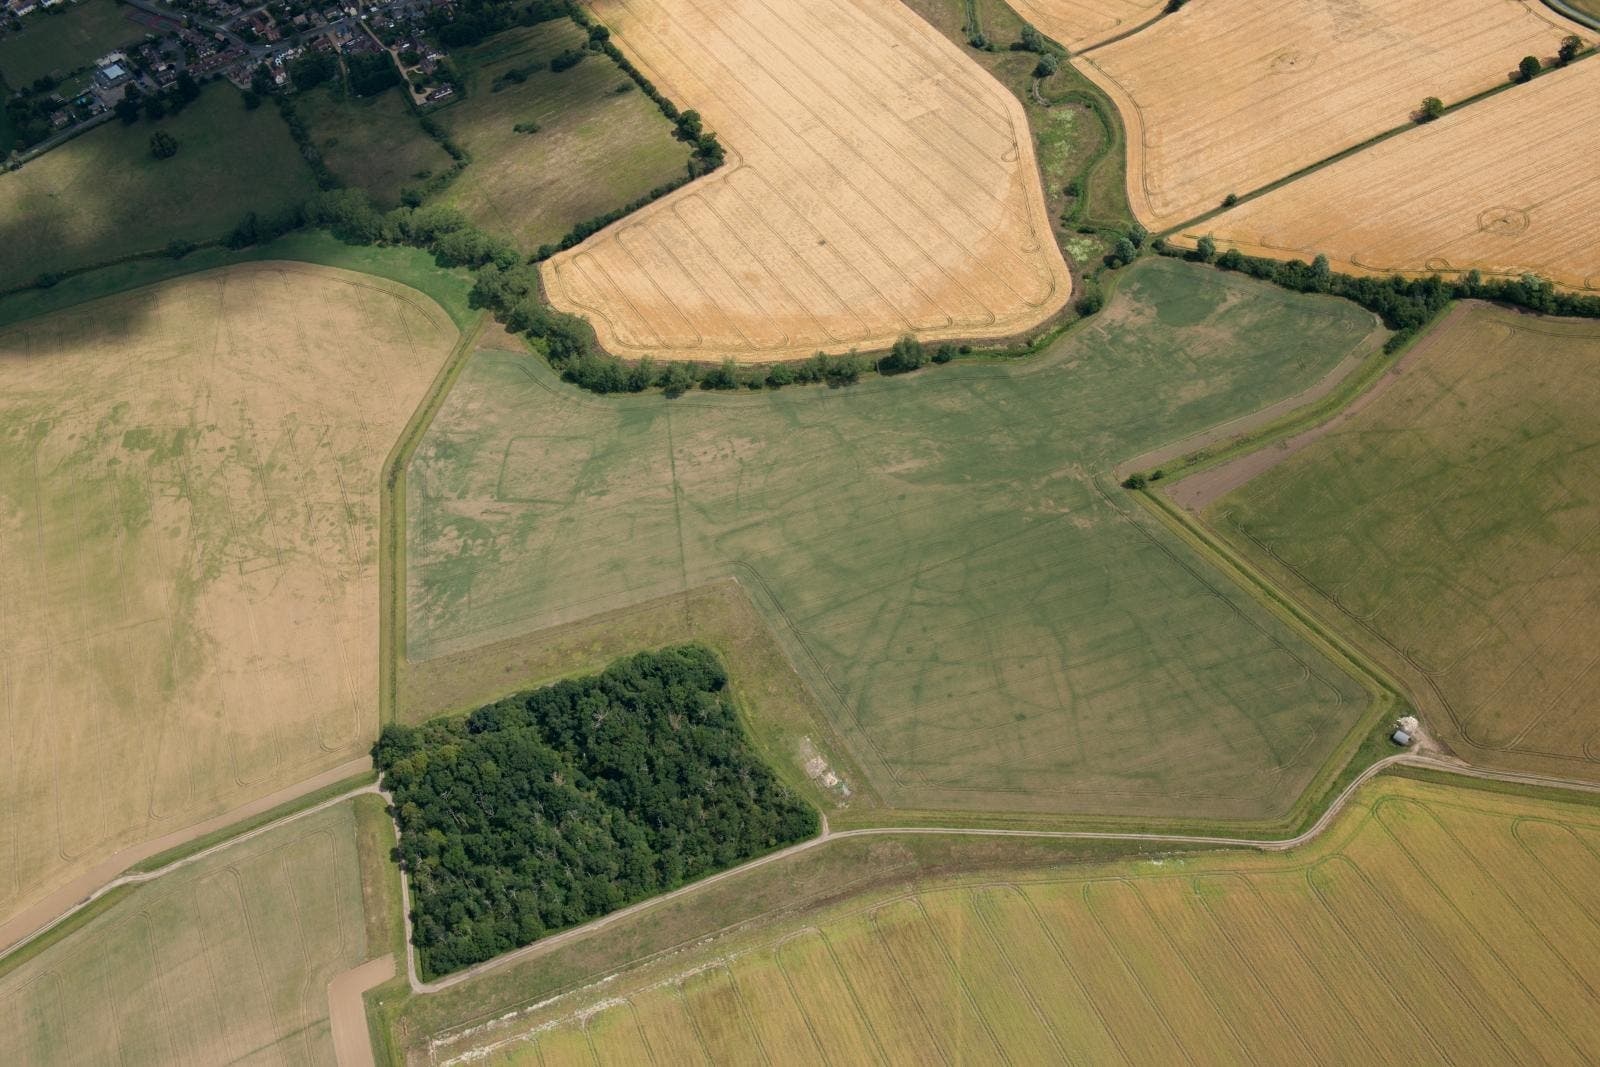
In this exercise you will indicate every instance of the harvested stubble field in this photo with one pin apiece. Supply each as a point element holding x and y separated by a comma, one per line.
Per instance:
<point>103,195</point>
<point>596,149</point>
<point>189,484</point>
<point>1289,83</point>
<point>1080,24</point>
<point>224,961</point>
<point>986,619</point>
<point>376,145</point>
<point>878,183</point>
<point>1432,199</point>
<point>1468,914</point>
<point>1451,525</point>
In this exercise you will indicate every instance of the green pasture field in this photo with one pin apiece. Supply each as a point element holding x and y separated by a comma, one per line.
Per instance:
<point>223,961</point>
<point>62,40</point>
<point>103,195</point>
<point>1449,524</point>
<point>596,149</point>
<point>1443,899</point>
<point>991,626</point>
<point>376,145</point>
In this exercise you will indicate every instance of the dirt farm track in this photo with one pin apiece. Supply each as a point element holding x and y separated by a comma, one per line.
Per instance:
<point>878,183</point>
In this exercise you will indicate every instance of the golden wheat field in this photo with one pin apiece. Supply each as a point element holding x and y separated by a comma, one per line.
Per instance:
<point>1227,97</point>
<point>878,183</point>
<point>1081,24</point>
<point>1505,186</point>
<point>1433,924</point>
<point>189,482</point>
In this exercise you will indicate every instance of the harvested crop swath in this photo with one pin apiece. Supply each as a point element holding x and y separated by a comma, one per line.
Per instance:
<point>1505,186</point>
<point>189,484</point>
<point>1224,98</point>
<point>878,183</point>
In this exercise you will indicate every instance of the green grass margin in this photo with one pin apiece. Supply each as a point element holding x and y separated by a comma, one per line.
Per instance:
<point>244,826</point>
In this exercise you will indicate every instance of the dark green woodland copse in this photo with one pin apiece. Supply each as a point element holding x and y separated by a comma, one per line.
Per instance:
<point>555,806</point>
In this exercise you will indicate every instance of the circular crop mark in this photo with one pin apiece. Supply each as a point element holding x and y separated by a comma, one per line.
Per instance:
<point>1503,221</point>
<point>1291,60</point>
<point>1437,264</point>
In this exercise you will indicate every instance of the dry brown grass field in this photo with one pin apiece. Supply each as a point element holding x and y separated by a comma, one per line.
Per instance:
<point>1224,98</point>
<point>878,183</point>
<point>1080,24</point>
<point>224,961</point>
<point>1453,526</point>
<point>1433,924</point>
<point>1438,198</point>
<point>189,482</point>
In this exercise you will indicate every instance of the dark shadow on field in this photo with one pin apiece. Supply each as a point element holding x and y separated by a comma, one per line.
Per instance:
<point>104,196</point>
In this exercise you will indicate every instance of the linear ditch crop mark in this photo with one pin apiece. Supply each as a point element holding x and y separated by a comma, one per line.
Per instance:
<point>956,976</point>
<point>1165,936</point>
<point>873,206</point>
<point>794,994</point>
<point>911,166</point>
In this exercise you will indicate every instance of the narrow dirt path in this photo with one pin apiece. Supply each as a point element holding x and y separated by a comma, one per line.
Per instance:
<point>47,912</point>
<point>347,1011</point>
<point>545,945</point>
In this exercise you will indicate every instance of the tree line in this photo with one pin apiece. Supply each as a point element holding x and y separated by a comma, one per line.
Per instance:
<point>552,807</point>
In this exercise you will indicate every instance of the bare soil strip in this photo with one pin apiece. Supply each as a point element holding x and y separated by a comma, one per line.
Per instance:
<point>878,183</point>
<point>1432,200</point>
<point>1287,84</point>
<point>347,1011</point>
<point>1199,490</point>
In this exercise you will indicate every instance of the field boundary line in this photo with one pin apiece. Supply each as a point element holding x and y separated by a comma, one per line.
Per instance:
<point>392,518</point>
<point>1177,229</point>
<point>137,877</point>
<point>1284,844</point>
